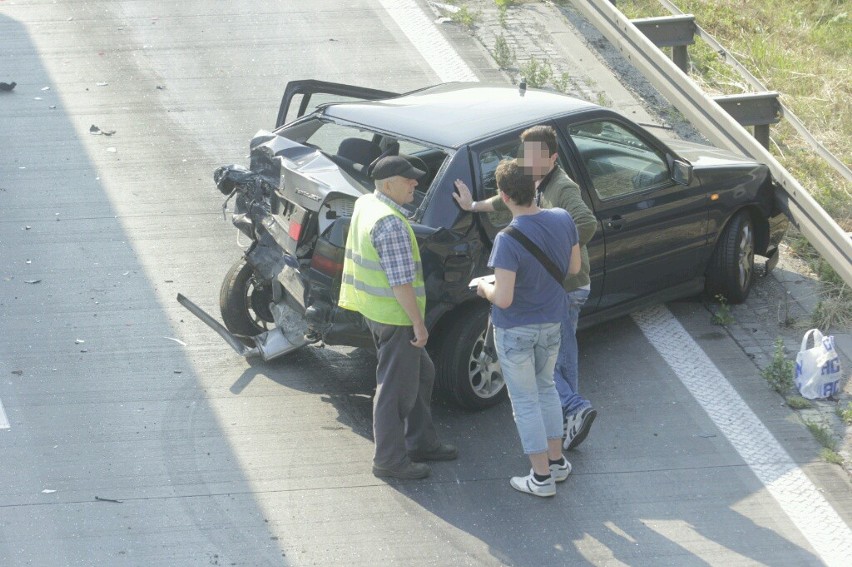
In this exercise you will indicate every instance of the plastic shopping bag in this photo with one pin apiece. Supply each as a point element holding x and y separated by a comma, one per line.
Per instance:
<point>818,367</point>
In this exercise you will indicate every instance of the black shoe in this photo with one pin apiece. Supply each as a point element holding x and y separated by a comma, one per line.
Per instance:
<point>441,452</point>
<point>408,471</point>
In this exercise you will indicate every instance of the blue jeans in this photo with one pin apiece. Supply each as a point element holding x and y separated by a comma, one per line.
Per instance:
<point>566,375</point>
<point>527,356</point>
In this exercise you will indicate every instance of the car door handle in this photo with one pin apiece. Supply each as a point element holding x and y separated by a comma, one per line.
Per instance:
<point>614,223</point>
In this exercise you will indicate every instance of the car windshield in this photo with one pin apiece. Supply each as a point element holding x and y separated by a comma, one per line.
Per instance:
<point>353,149</point>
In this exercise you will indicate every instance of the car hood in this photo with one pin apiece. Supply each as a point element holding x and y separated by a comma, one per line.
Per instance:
<point>301,174</point>
<point>702,156</point>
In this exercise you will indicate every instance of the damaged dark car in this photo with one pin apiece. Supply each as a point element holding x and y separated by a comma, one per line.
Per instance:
<point>675,219</point>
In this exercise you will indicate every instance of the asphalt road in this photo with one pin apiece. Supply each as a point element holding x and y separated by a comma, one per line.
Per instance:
<point>136,437</point>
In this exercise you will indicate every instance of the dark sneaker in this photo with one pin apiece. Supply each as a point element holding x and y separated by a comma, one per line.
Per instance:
<point>530,485</point>
<point>577,427</point>
<point>441,452</point>
<point>408,471</point>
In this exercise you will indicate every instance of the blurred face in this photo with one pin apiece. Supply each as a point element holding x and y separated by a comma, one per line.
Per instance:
<point>536,159</point>
<point>400,189</point>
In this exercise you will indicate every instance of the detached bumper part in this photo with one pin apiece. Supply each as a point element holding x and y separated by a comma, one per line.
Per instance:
<point>269,345</point>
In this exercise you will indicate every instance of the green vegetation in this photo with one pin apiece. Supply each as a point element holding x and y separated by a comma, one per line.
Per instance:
<point>722,316</point>
<point>465,17</point>
<point>503,55</point>
<point>536,73</point>
<point>503,4</point>
<point>831,456</point>
<point>798,402</point>
<point>846,414</point>
<point>804,51</point>
<point>779,372</point>
<point>822,434</point>
<point>562,83</point>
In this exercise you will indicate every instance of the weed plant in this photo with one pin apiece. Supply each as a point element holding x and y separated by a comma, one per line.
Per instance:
<point>504,56</point>
<point>798,402</point>
<point>822,434</point>
<point>846,414</point>
<point>536,73</point>
<point>779,372</point>
<point>465,17</point>
<point>722,316</point>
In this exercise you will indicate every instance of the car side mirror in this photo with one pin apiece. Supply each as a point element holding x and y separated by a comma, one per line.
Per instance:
<point>681,172</point>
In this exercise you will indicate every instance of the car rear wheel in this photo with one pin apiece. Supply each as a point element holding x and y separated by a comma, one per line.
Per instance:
<point>465,370</point>
<point>244,302</point>
<point>731,269</point>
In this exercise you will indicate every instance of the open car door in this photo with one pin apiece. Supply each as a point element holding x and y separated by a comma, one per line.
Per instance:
<point>303,97</point>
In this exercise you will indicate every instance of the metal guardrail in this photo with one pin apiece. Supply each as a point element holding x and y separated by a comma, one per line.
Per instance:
<point>824,234</point>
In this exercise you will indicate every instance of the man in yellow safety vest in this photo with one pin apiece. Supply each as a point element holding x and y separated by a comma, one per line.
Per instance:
<point>383,280</point>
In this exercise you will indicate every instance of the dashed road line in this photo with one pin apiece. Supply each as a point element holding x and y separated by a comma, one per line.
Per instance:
<point>428,40</point>
<point>824,529</point>
<point>4,421</point>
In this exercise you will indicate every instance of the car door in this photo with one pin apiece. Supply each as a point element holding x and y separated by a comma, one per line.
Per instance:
<point>653,228</point>
<point>485,157</point>
<point>303,97</point>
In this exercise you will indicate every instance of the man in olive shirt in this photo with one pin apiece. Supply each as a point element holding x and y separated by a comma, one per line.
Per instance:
<point>556,189</point>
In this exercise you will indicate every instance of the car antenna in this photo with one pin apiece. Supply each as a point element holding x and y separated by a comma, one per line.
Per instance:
<point>522,87</point>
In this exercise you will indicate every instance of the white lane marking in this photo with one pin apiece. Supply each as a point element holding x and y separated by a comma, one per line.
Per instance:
<point>785,481</point>
<point>426,38</point>
<point>826,531</point>
<point>4,421</point>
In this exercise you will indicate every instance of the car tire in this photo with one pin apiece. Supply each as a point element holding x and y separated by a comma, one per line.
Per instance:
<point>244,303</point>
<point>731,269</point>
<point>470,377</point>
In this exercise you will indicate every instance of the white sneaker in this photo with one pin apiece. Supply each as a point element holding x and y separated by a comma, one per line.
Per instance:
<point>560,472</point>
<point>577,427</point>
<point>530,485</point>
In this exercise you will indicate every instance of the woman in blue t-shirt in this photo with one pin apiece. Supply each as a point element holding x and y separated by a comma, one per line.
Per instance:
<point>528,301</point>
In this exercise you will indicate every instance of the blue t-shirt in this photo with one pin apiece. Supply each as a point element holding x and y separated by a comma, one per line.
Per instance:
<point>538,297</point>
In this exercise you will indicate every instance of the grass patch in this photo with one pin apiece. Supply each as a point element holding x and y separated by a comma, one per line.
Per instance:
<point>798,402</point>
<point>779,371</point>
<point>803,50</point>
<point>831,456</point>
<point>845,414</point>
<point>822,434</point>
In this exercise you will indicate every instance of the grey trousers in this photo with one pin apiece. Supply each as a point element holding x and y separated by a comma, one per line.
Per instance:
<point>402,418</point>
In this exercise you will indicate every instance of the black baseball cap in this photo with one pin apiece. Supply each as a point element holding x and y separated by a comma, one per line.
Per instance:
<point>391,166</point>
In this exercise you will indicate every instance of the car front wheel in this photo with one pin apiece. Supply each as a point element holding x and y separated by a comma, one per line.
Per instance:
<point>731,269</point>
<point>467,370</point>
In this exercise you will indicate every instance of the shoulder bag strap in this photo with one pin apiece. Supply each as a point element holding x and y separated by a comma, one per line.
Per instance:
<point>548,264</point>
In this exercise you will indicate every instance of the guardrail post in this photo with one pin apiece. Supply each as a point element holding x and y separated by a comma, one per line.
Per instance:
<point>753,109</point>
<point>676,32</point>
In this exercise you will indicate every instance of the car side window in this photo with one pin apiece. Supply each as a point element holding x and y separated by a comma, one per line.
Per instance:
<point>618,161</point>
<point>489,159</point>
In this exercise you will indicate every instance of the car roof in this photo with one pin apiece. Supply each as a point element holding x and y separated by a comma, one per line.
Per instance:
<point>453,114</point>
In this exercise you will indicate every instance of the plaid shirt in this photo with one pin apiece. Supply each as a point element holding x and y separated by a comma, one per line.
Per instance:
<point>390,239</point>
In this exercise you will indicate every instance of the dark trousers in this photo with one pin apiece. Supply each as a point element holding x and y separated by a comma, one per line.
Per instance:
<point>402,418</point>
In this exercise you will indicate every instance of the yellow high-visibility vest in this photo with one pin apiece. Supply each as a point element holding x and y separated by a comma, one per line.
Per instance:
<point>365,287</point>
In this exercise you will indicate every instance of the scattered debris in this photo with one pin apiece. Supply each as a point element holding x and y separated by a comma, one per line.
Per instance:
<point>37,98</point>
<point>95,131</point>
<point>101,84</point>
<point>18,372</point>
<point>178,341</point>
<point>48,491</point>
<point>161,87</point>
<point>52,107</point>
<point>111,149</point>
<point>32,281</point>
<point>6,87</point>
<point>178,371</point>
<point>27,227</point>
<point>99,499</point>
<point>45,88</point>
<point>79,341</point>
